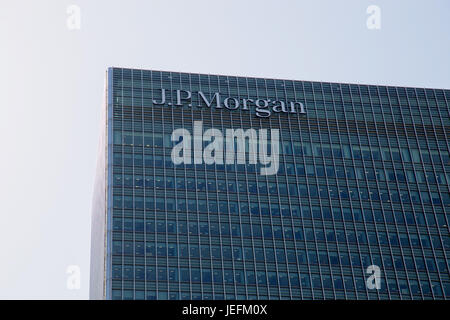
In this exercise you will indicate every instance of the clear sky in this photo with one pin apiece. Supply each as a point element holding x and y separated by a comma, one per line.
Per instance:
<point>52,83</point>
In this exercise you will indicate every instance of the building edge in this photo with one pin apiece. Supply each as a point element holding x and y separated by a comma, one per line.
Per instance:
<point>99,211</point>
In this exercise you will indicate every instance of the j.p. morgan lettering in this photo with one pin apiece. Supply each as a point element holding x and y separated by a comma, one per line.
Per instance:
<point>263,107</point>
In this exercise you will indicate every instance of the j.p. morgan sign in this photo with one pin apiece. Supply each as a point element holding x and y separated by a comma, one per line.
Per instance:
<point>263,107</point>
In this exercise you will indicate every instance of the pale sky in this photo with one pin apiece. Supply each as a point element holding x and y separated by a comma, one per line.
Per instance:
<point>52,82</point>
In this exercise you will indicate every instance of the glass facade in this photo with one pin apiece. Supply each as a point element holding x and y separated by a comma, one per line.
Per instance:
<point>363,180</point>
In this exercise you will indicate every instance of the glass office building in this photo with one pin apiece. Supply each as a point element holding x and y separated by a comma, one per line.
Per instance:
<point>363,179</point>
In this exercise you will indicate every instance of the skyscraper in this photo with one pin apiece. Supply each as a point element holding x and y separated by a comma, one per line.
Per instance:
<point>224,187</point>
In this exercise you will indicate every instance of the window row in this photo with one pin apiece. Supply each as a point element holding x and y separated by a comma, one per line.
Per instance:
<point>304,191</point>
<point>275,279</point>
<point>338,151</point>
<point>299,169</point>
<point>298,233</point>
